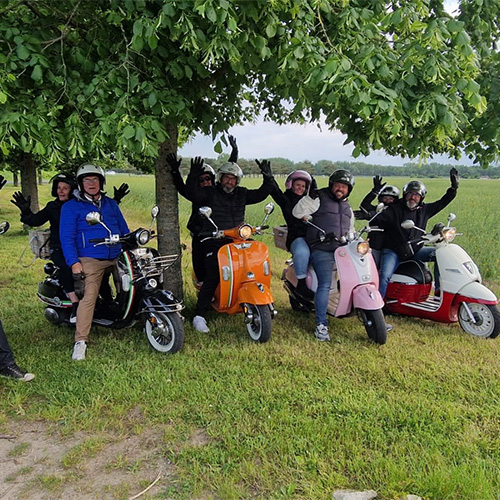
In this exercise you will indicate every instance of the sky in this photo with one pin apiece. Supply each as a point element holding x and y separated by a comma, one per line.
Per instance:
<point>299,142</point>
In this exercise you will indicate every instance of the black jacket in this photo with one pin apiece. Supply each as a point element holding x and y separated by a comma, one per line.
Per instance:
<point>403,241</point>
<point>51,213</point>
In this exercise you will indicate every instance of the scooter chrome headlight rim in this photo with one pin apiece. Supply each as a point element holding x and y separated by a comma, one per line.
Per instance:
<point>363,248</point>
<point>245,231</point>
<point>449,234</point>
<point>143,236</point>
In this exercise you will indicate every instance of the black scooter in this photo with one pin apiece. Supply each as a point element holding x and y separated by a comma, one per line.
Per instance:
<point>139,291</point>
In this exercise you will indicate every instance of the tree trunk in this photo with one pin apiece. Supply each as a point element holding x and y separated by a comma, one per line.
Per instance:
<point>169,241</point>
<point>28,180</point>
<point>15,179</point>
<point>40,178</point>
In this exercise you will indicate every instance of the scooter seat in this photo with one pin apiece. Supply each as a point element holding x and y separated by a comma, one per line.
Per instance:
<point>412,272</point>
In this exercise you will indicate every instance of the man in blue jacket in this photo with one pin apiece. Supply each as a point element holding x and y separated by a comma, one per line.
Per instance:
<point>89,262</point>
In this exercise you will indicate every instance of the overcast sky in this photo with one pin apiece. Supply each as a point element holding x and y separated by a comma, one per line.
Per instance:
<point>297,142</point>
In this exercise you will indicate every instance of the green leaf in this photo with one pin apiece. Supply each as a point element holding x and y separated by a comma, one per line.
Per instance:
<point>98,112</point>
<point>153,41</point>
<point>3,97</point>
<point>137,43</point>
<point>211,14</point>
<point>37,73</point>
<point>270,30</point>
<point>218,147</point>
<point>22,52</point>
<point>137,29</point>
<point>298,52</point>
<point>128,132</point>
<point>152,100</point>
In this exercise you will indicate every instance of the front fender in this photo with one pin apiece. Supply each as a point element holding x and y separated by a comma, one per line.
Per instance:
<point>161,301</point>
<point>367,297</point>
<point>255,293</point>
<point>476,292</point>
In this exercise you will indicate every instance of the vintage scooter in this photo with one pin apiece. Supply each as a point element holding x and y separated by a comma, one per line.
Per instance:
<point>354,284</point>
<point>462,298</point>
<point>139,291</point>
<point>245,276</point>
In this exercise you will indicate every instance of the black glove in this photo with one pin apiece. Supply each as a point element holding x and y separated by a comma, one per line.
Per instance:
<point>121,192</point>
<point>3,181</point>
<point>197,165</point>
<point>24,204</point>
<point>234,153</point>
<point>313,189</point>
<point>265,168</point>
<point>175,164</point>
<point>454,178</point>
<point>360,214</point>
<point>377,184</point>
<point>79,282</point>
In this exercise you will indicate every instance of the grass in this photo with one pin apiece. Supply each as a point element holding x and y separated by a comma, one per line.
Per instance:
<point>293,418</point>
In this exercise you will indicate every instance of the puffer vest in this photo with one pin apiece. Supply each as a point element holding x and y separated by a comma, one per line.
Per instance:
<point>333,216</point>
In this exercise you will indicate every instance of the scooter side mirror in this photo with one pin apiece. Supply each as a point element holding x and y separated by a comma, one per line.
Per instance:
<point>205,211</point>
<point>451,217</point>
<point>93,218</point>
<point>407,224</point>
<point>155,211</point>
<point>4,227</point>
<point>269,208</point>
<point>307,218</point>
<point>380,208</point>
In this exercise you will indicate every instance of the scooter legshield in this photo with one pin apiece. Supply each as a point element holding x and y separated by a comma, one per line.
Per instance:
<point>367,297</point>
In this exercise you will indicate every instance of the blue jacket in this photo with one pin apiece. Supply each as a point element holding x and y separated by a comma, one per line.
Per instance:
<point>75,232</point>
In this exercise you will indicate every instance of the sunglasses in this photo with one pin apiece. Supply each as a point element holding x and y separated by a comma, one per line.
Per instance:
<point>204,179</point>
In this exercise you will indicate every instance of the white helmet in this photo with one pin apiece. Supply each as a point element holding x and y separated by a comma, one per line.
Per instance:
<point>88,169</point>
<point>230,168</point>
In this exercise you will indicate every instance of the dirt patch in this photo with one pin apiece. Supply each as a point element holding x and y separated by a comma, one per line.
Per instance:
<point>38,464</point>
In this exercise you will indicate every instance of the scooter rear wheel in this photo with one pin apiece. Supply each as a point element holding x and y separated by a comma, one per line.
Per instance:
<point>261,325</point>
<point>487,320</point>
<point>165,332</point>
<point>375,326</point>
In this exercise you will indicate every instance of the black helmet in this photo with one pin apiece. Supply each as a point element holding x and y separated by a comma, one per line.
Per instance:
<point>415,187</point>
<point>389,191</point>
<point>61,177</point>
<point>343,176</point>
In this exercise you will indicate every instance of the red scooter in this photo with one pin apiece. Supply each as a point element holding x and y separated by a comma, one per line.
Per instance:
<point>462,297</point>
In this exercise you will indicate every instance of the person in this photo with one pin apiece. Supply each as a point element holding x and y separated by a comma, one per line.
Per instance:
<point>297,185</point>
<point>89,262</point>
<point>401,244</point>
<point>195,222</point>
<point>228,201</point>
<point>63,185</point>
<point>331,212</point>
<point>385,194</point>
<point>8,365</point>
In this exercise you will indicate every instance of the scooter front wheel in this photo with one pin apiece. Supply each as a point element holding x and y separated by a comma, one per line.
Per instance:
<point>375,326</point>
<point>164,331</point>
<point>485,320</point>
<point>260,327</point>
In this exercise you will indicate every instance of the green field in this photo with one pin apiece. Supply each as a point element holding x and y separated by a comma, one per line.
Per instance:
<point>293,418</point>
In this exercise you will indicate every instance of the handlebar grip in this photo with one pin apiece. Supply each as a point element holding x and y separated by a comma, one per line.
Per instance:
<point>97,240</point>
<point>264,227</point>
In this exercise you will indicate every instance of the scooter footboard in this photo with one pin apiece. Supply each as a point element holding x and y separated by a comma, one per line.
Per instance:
<point>367,297</point>
<point>255,293</point>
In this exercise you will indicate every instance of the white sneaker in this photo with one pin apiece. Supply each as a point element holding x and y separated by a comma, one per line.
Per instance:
<point>200,324</point>
<point>79,351</point>
<point>321,333</point>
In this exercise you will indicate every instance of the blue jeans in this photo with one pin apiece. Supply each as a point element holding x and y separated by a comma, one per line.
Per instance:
<point>301,253</point>
<point>390,261</point>
<point>323,266</point>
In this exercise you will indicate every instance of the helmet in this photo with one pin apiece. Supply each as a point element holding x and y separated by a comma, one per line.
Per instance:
<point>295,176</point>
<point>415,187</point>
<point>343,176</point>
<point>88,169</point>
<point>230,168</point>
<point>207,169</point>
<point>67,178</point>
<point>389,191</point>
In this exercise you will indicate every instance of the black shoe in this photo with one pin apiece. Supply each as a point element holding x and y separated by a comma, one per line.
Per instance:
<point>304,292</point>
<point>14,371</point>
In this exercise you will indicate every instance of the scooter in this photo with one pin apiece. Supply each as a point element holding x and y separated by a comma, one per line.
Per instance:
<point>139,291</point>
<point>354,284</point>
<point>462,297</point>
<point>245,276</point>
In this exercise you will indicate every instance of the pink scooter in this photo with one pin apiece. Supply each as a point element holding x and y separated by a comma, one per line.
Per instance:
<point>354,285</point>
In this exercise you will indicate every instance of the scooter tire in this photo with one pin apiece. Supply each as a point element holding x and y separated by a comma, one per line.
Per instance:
<point>487,317</point>
<point>375,326</point>
<point>261,325</point>
<point>165,332</point>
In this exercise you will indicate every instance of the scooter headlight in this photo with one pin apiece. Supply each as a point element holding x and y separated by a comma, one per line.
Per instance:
<point>449,234</point>
<point>245,231</point>
<point>363,247</point>
<point>143,236</point>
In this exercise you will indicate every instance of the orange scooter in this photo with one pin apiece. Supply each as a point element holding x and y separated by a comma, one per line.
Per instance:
<point>245,276</point>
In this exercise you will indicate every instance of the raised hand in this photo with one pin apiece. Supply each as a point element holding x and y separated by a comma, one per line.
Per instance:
<point>24,204</point>
<point>121,192</point>
<point>377,183</point>
<point>197,165</point>
<point>234,153</point>
<point>313,189</point>
<point>454,178</point>
<point>175,164</point>
<point>3,181</point>
<point>265,168</point>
